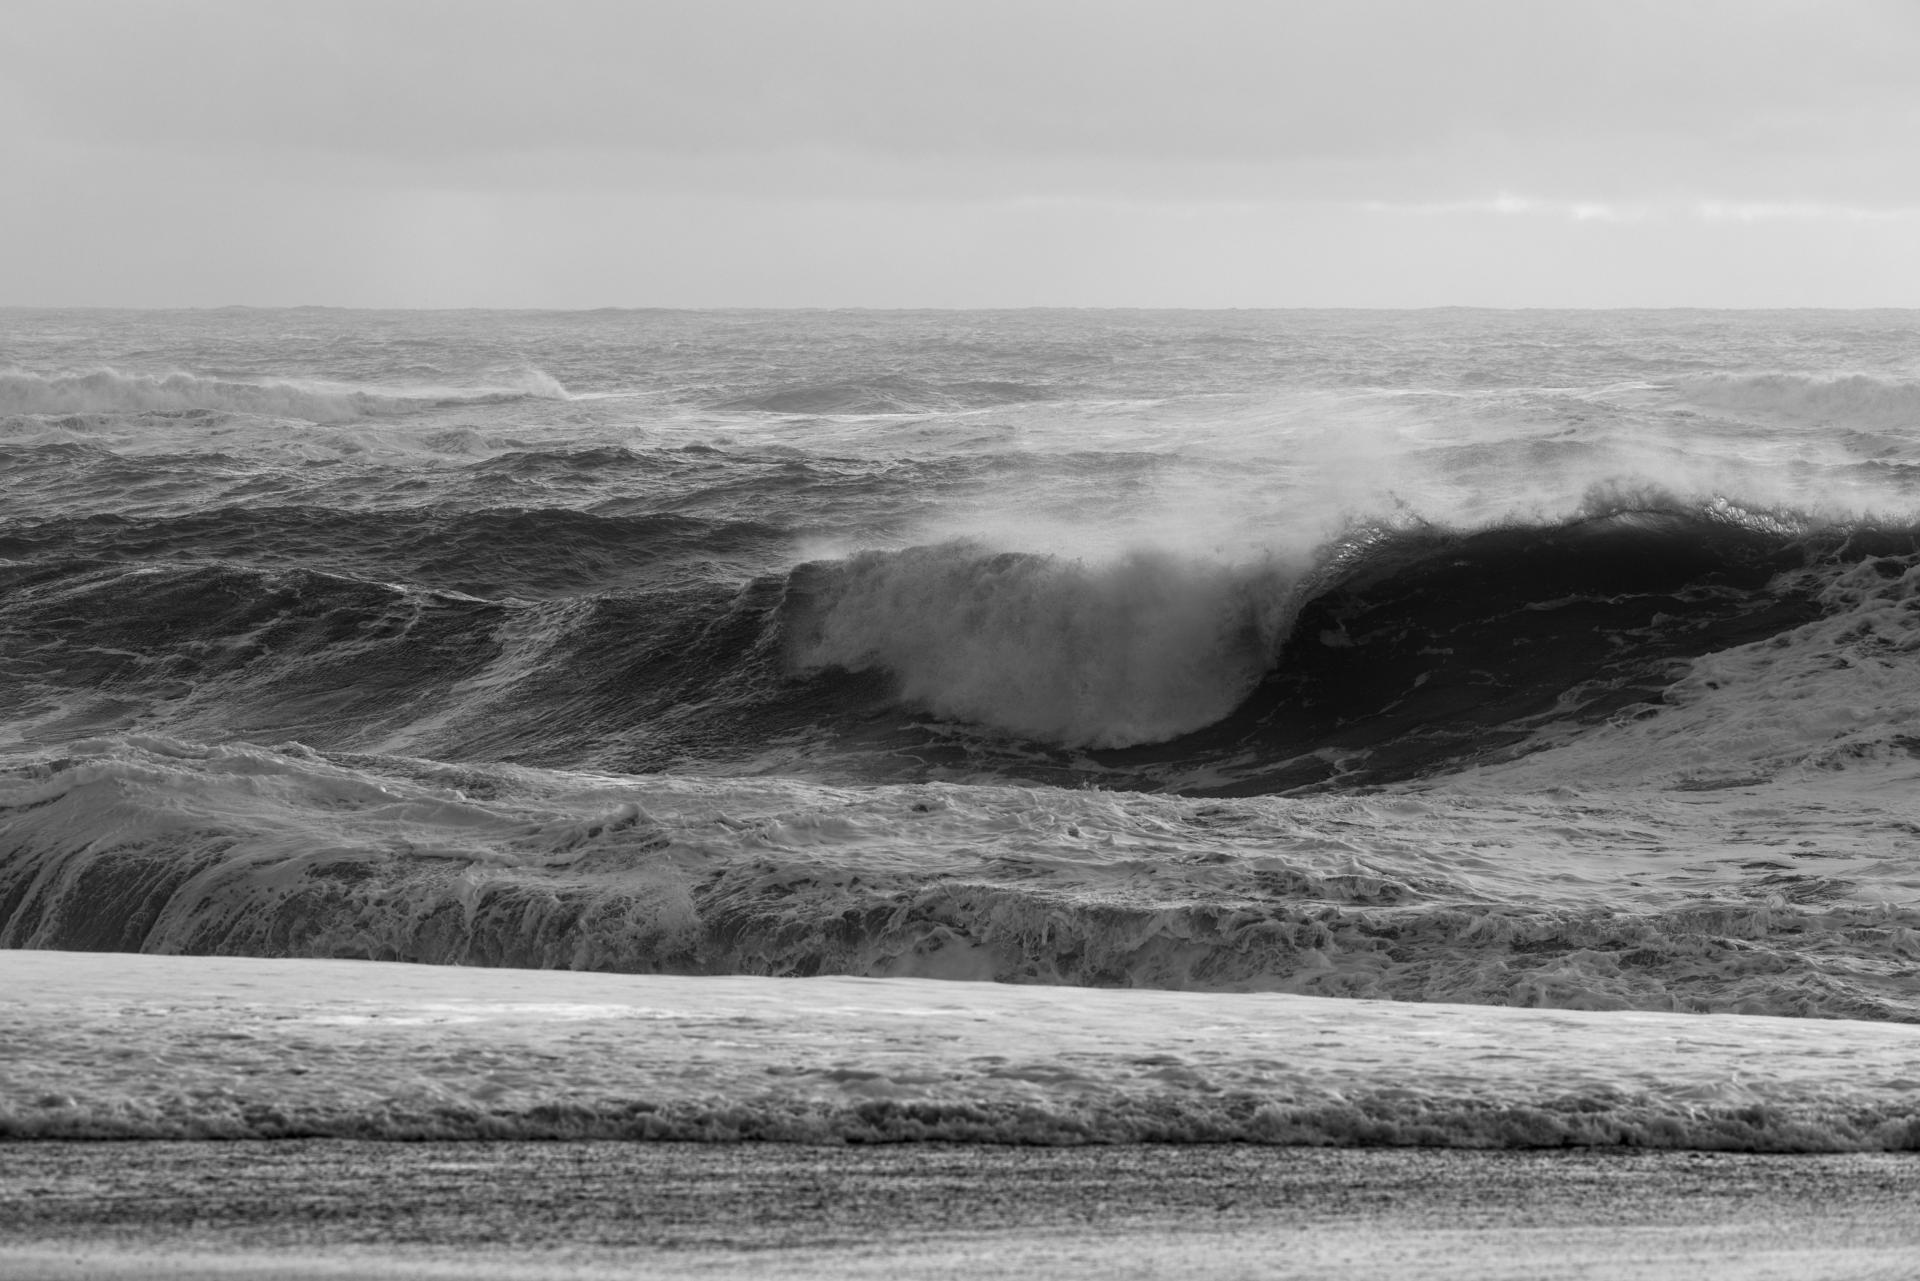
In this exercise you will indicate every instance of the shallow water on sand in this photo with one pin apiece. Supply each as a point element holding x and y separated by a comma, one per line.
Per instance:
<point>513,1210</point>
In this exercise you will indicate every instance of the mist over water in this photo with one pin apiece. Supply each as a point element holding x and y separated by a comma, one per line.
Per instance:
<point>1137,649</point>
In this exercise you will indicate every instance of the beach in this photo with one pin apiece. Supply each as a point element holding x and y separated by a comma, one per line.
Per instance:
<point>1043,639</point>
<point>867,1082</point>
<point>313,1209</point>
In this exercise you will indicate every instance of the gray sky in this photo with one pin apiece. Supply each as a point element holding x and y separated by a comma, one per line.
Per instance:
<point>927,153</point>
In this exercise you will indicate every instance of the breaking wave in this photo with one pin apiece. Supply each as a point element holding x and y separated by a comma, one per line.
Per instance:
<point>141,843</point>
<point>1137,650</point>
<point>1426,643</point>
<point>575,640</point>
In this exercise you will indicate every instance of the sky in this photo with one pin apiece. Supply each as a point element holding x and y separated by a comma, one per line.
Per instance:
<point>985,153</point>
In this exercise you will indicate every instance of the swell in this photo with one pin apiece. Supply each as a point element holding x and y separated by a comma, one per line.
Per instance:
<point>535,553</point>
<point>1850,400</point>
<point>219,650</point>
<point>884,394</point>
<point>227,649</point>
<point>175,476</point>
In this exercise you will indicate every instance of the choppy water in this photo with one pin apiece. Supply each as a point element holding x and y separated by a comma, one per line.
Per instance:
<point>1558,659</point>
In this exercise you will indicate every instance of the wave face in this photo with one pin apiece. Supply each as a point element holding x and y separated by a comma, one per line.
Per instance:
<point>1392,656</point>
<point>1559,660</point>
<point>1413,646</point>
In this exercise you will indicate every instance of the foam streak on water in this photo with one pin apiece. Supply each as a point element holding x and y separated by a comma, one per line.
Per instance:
<point>1561,660</point>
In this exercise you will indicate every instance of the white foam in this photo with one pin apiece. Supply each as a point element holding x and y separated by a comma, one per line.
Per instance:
<point>1103,654</point>
<point>1514,885</point>
<point>135,1046</point>
<point>113,391</point>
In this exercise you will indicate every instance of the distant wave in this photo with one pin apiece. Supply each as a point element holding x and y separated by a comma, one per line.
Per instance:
<point>1852,400</point>
<point>888,394</point>
<point>115,391</point>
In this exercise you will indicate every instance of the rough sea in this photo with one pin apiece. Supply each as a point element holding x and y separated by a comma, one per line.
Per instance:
<point>1567,661</point>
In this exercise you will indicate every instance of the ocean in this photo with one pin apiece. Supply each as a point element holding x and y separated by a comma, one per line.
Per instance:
<point>1210,671</point>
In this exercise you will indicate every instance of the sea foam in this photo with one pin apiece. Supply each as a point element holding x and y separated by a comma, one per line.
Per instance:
<point>1135,649</point>
<point>1703,900</point>
<point>409,1052</point>
<point>122,392</point>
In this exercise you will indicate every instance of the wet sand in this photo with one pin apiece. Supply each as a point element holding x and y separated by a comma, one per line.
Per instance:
<point>330,1208</point>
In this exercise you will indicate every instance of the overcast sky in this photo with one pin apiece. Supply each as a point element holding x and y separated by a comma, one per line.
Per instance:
<point>927,153</point>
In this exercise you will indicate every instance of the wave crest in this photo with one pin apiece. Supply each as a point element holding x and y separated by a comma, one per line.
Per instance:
<point>890,394</point>
<point>1085,654</point>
